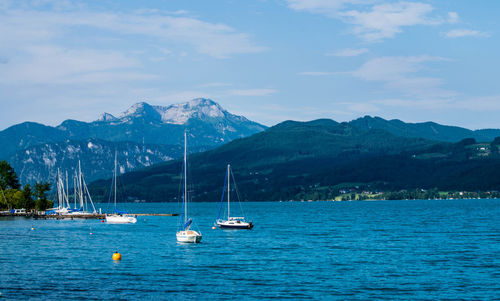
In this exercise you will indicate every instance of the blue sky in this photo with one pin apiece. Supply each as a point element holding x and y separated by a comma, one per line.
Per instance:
<point>269,60</point>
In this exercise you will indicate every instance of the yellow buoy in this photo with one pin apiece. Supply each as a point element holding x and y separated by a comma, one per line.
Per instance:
<point>117,256</point>
<point>32,228</point>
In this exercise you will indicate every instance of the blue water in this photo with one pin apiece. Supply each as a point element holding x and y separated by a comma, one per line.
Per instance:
<point>318,250</point>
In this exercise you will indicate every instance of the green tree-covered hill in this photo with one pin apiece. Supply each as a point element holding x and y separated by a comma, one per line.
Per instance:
<point>313,160</point>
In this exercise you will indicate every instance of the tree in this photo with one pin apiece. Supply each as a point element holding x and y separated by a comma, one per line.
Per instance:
<point>42,203</point>
<point>29,203</point>
<point>8,176</point>
<point>11,198</point>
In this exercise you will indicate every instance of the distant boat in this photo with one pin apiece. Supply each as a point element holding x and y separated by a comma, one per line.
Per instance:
<point>185,234</point>
<point>63,206</point>
<point>118,217</point>
<point>231,222</point>
<point>82,194</point>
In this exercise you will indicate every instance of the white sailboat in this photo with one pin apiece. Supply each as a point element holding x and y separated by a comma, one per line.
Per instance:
<point>185,234</point>
<point>118,217</point>
<point>83,194</point>
<point>231,222</point>
<point>63,206</point>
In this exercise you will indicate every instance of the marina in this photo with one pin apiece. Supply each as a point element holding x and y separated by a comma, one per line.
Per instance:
<point>74,216</point>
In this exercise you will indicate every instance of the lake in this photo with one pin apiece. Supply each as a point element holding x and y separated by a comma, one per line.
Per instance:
<point>430,249</point>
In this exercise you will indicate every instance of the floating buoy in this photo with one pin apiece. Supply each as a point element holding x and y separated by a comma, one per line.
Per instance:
<point>91,233</point>
<point>213,228</point>
<point>117,256</point>
<point>32,228</point>
<point>102,221</point>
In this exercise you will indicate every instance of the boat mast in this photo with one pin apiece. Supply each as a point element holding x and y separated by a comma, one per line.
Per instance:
<point>115,178</point>
<point>58,190</point>
<point>67,190</point>
<point>80,186</point>
<point>185,178</point>
<point>74,189</point>
<point>228,191</point>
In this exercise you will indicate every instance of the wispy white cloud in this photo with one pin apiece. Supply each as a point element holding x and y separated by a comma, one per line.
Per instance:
<point>214,39</point>
<point>401,74</point>
<point>374,21</point>
<point>386,20</point>
<point>349,52</point>
<point>252,92</point>
<point>56,65</point>
<point>453,17</point>
<point>390,68</point>
<point>325,7</point>
<point>315,73</point>
<point>460,33</point>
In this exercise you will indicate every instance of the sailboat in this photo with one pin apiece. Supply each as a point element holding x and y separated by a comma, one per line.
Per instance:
<point>231,222</point>
<point>83,194</point>
<point>63,206</point>
<point>118,217</point>
<point>185,234</point>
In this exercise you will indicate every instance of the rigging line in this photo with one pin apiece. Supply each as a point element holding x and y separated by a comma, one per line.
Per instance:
<point>110,193</point>
<point>180,197</point>
<point>222,197</point>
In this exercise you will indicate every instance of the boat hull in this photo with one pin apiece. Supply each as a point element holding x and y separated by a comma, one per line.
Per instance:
<point>120,219</point>
<point>240,225</point>
<point>189,236</point>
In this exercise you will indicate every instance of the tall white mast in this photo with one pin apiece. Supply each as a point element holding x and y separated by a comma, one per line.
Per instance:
<point>185,178</point>
<point>80,186</point>
<point>115,178</point>
<point>58,190</point>
<point>228,191</point>
<point>74,189</point>
<point>67,190</point>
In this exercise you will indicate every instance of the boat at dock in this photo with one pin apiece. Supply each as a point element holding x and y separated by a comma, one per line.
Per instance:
<point>81,194</point>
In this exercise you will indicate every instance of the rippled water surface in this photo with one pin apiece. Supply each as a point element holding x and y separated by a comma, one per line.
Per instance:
<point>318,250</point>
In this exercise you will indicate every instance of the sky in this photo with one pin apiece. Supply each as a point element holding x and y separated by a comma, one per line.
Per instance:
<point>268,60</point>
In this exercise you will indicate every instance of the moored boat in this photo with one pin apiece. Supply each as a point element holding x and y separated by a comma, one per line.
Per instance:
<point>118,217</point>
<point>231,222</point>
<point>185,234</point>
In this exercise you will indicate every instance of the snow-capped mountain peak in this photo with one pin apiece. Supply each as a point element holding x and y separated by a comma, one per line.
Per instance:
<point>106,117</point>
<point>197,108</point>
<point>200,108</point>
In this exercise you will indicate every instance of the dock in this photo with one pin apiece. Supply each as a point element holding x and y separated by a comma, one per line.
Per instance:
<point>77,216</point>
<point>156,214</point>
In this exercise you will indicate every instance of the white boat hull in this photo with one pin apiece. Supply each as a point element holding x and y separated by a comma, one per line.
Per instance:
<point>189,236</point>
<point>234,224</point>
<point>120,219</point>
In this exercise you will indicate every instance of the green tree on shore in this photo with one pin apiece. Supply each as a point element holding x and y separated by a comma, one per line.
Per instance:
<point>42,202</point>
<point>11,195</point>
<point>8,177</point>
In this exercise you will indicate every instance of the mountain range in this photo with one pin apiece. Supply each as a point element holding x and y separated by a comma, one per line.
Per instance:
<point>146,134</point>
<point>36,150</point>
<point>315,160</point>
<point>427,130</point>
